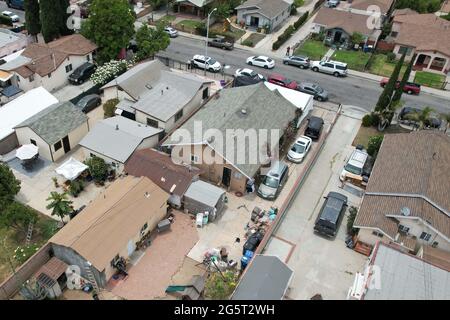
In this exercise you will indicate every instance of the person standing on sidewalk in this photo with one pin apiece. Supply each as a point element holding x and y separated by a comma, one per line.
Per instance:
<point>288,50</point>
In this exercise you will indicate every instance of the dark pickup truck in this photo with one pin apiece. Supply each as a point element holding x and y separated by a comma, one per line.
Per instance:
<point>409,88</point>
<point>221,42</point>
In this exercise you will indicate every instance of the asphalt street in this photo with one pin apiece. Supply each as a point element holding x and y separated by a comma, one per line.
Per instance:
<point>350,90</point>
<point>20,13</point>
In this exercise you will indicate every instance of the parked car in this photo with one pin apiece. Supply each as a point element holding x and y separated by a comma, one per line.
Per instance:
<point>207,63</point>
<point>16,4</point>
<point>298,61</point>
<point>336,68</point>
<point>12,16</point>
<point>299,149</point>
<point>82,73</point>
<point>273,181</point>
<point>313,89</point>
<point>173,33</point>
<point>241,81</point>
<point>354,167</point>
<point>280,80</point>
<point>221,42</point>
<point>409,88</point>
<point>406,112</point>
<point>314,127</point>
<point>331,214</point>
<point>89,102</point>
<point>261,61</point>
<point>248,73</point>
<point>332,3</point>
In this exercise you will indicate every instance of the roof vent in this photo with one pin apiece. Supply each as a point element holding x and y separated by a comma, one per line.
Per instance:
<point>147,195</point>
<point>117,127</point>
<point>162,92</point>
<point>148,86</point>
<point>244,111</point>
<point>405,211</point>
<point>210,139</point>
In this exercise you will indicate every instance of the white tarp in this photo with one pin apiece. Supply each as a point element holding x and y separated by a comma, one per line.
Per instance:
<point>27,151</point>
<point>71,169</point>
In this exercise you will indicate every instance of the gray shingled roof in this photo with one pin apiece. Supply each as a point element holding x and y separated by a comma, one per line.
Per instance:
<point>268,8</point>
<point>406,277</point>
<point>204,192</point>
<point>266,278</point>
<point>265,109</point>
<point>55,122</point>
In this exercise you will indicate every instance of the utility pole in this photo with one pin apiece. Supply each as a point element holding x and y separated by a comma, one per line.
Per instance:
<point>206,42</point>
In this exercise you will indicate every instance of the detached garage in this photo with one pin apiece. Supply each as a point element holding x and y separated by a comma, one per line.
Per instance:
<point>202,196</point>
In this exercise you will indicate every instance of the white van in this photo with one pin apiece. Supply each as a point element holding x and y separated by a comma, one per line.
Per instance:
<point>355,165</point>
<point>274,181</point>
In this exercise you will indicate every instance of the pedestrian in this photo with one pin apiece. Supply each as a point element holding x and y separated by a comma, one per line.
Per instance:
<point>288,51</point>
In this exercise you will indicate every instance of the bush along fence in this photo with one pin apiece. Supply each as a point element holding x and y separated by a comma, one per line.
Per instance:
<point>290,31</point>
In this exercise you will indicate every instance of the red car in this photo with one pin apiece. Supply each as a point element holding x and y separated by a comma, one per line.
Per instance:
<point>282,81</point>
<point>409,88</point>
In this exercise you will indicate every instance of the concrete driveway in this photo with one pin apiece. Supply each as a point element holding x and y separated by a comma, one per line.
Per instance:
<point>320,265</point>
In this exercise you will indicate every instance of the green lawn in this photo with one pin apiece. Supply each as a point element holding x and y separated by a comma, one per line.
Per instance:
<point>253,39</point>
<point>356,60</point>
<point>382,67</point>
<point>429,79</point>
<point>167,20</point>
<point>365,133</point>
<point>188,25</point>
<point>315,50</point>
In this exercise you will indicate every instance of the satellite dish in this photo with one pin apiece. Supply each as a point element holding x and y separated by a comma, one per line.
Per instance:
<point>405,211</point>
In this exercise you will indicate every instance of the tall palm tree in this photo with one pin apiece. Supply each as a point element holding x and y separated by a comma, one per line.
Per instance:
<point>60,205</point>
<point>421,117</point>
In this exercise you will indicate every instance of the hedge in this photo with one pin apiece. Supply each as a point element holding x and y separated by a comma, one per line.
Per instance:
<point>289,31</point>
<point>6,20</point>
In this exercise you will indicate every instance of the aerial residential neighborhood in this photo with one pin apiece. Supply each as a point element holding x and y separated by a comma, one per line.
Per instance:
<point>225,150</point>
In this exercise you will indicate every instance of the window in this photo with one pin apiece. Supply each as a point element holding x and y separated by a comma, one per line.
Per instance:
<point>194,158</point>
<point>144,227</point>
<point>205,93</point>
<point>33,142</point>
<point>425,236</point>
<point>402,228</point>
<point>404,49</point>
<point>68,68</point>
<point>31,78</point>
<point>378,234</point>
<point>179,115</point>
<point>152,123</point>
<point>57,145</point>
<point>88,57</point>
<point>394,34</point>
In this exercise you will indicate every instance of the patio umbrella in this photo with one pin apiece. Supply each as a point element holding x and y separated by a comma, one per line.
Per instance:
<point>27,152</point>
<point>71,169</point>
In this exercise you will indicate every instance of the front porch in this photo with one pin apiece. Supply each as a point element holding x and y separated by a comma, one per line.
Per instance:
<point>189,8</point>
<point>431,62</point>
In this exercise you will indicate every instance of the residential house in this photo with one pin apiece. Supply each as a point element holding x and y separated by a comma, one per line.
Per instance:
<point>11,42</point>
<point>425,37</point>
<point>173,178</point>
<point>110,227</point>
<point>266,278</point>
<point>214,139</point>
<point>157,96</point>
<point>391,274</point>
<point>49,65</point>
<point>19,110</point>
<point>264,14</point>
<point>406,200</point>
<point>55,130</point>
<point>194,7</point>
<point>382,6</point>
<point>338,26</point>
<point>115,139</point>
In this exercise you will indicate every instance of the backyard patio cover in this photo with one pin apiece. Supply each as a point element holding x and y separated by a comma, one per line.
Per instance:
<point>71,169</point>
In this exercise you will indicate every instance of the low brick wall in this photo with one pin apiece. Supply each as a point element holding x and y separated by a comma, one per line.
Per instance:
<point>385,46</point>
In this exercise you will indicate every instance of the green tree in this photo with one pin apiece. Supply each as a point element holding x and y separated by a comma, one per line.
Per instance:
<point>399,91</point>
<point>357,38</point>
<point>17,216</point>
<point>97,168</point>
<point>60,205</point>
<point>421,6</point>
<point>446,17</point>
<point>220,285</point>
<point>110,25</point>
<point>150,41</point>
<point>9,186</point>
<point>64,5</point>
<point>109,108</point>
<point>32,18</point>
<point>374,144</point>
<point>50,19</point>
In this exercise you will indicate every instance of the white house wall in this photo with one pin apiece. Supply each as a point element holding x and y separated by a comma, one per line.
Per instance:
<point>24,136</point>
<point>74,138</point>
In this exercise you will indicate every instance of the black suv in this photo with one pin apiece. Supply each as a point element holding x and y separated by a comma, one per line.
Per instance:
<point>82,73</point>
<point>314,128</point>
<point>331,214</point>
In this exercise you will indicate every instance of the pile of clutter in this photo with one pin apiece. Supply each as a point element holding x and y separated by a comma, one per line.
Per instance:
<point>217,259</point>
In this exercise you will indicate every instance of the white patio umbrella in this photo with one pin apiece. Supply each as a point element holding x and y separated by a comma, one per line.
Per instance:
<point>27,151</point>
<point>71,169</point>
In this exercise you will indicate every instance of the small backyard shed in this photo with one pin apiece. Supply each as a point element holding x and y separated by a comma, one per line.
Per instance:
<point>204,197</point>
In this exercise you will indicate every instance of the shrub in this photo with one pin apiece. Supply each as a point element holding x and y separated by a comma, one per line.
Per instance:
<point>301,20</point>
<point>276,45</point>
<point>76,187</point>
<point>97,168</point>
<point>248,43</point>
<point>22,253</point>
<point>367,120</point>
<point>109,108</point>
<point>351,220</point>
<point>293,11</point>
<point>375,119</point>
<point>6,20</point>
<point>109,71</point>
<point>390,57</point>
<point>374,145</point>
<point>201,29</point>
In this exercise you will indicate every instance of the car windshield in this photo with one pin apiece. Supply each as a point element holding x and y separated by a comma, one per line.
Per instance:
<point>211,61</point>
<point>352,169</point>
<point>252,74</point>
<point>298,148</point>
<point>269,60</point>
<point>270,182</point>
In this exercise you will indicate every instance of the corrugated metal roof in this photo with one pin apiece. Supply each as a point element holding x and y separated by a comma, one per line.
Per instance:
<point>204,192</point>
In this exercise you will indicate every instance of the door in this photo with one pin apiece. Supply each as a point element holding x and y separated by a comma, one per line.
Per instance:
<point>226,176</point>
<point>66,144</point>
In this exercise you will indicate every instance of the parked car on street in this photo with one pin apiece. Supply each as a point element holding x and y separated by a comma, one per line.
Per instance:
<point>336,68</point>
<point>298,61</point>
<point>331,214</point>
<point>409,88</point>
<point>299,149</point>
<point>248,73</point>
<point>280,80</point>
<point>89,102</point>
<point>207,63</point>
<point>221,42</point>
<point>173,33</point>
<point>332,3</point>
<point>12,16</point>
<point>261,61</point>
<point>314,127</point>
<point>313,89</point>
<point>241,81</point>
<point>82,73</point>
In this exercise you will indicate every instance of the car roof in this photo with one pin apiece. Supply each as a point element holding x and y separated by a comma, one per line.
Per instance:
<point>277,76</point>
<point>303,139</point>
<point>89,96</point>
<point>261,57</point>
<point>297,56</point>
<point>246,70</point>
<point>337,62</point>
<point>358,158</point>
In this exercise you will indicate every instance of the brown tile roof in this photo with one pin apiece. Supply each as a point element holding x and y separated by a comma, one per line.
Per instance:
<point>400,12</point>
<point>384,5</point>
<point>159,167</point>
<point>54,268</point>
<point>412,170</point>
<point>434,34</point>
<point>104,228</point>
<point>438,257</point>
<point>48,57</point>
<point>348,21</point>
